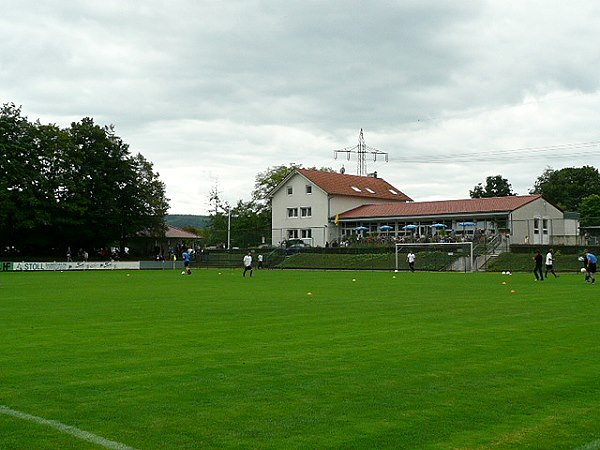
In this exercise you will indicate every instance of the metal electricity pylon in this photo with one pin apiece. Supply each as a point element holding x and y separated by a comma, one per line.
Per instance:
<point>361,150</point>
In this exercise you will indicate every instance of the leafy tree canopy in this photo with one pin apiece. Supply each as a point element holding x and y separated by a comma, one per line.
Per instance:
<point>567,187</point>
<point>75,187</point>
<point>495,186</point>
<point>590,210</point>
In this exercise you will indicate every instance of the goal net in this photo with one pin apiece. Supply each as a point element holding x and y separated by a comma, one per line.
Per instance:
<point>436,256</point>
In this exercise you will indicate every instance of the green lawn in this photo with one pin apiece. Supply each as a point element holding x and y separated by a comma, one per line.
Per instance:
<point>158,360</point>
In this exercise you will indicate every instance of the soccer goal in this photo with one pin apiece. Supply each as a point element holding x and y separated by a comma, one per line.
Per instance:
<point>437,256</point>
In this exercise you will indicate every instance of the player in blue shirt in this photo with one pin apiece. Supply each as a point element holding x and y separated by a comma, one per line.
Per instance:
<point>591,265</point>
<point>186,263</point>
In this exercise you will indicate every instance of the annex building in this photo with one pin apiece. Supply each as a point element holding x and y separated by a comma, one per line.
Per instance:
<point>326,208</point>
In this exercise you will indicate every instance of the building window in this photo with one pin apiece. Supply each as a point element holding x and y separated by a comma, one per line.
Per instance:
<point>370,190</point>
<point>290,190</point>
<point>292,212</point>
<point>292,234</point>
<point>356,189</point>
<point>306,211</point>
<point>307,234</point>
<point>393,191</point>
<point>308,189</point>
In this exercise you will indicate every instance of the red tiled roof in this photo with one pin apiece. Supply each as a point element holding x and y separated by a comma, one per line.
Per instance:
<point>178,233</point>
<point>342,184</point>
<point>438,208</point>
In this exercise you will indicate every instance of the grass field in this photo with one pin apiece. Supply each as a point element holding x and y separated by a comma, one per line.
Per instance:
<point>158,360</point>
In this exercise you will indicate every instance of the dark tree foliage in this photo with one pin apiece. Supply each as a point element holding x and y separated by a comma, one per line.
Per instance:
<point>567,187</point>
<point>250,225</point>
<point>590,211</point>
<point>495,186</point>
<point>77,187</point>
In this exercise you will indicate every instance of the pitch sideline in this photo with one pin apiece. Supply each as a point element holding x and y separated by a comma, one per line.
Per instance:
<point>595,445</point>
<point>81,434</point>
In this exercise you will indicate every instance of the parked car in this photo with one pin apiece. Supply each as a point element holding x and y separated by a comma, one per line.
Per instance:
<point>297,243</point>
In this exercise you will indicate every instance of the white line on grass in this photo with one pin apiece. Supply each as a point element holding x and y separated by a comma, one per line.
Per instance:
<point>590,446</point>
<point>84,435</point>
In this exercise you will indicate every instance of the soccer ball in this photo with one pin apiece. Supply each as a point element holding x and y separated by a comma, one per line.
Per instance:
<point>183,273</point>
<point>581,258</point>
<point>583,270</point>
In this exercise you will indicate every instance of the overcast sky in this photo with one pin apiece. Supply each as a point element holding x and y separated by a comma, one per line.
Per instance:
<point>214,92</point>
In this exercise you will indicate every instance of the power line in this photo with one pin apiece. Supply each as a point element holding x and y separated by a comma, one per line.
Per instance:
<point>566,151</point>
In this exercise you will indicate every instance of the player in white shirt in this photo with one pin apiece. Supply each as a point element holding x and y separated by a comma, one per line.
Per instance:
<point>411,260</point>
<point>248,264</point>
<point>550,263</point>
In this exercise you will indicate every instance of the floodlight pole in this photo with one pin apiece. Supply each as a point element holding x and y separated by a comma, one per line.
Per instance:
<point>228,228</point>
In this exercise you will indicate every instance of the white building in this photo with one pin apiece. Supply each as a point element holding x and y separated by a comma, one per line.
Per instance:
<point>523,219</point>
<point>305,204</point>
<point>323,207</point>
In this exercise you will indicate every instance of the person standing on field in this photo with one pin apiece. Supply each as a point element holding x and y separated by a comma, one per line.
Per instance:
<point>260,262</point>
<point>248,264</point>
<point>537,271</point>
<point>186,263</point>
<point>550,263</point>
<point>591,266</point>
<point>411,260</point>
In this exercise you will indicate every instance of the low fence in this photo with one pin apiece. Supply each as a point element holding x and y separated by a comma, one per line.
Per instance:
<point>340,258</point>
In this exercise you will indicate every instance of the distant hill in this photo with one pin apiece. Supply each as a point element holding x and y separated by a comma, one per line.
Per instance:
<point>187,220</point>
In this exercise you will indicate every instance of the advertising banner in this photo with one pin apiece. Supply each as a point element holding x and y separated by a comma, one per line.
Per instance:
<point>61,266</point>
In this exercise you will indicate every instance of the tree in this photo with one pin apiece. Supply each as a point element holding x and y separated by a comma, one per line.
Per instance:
<point>566,187</point>
<point>77,187</point>
<point>495,186</point>
<point>20,178</point>
<point>590,210</point>
<point>215,204</point>
<point>250,224</point>
<point>142,201</point>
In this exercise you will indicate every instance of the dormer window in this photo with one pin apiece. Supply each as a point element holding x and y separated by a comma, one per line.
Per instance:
<point>290,190</point>
<point>370,190</point>
<point>356,189</point>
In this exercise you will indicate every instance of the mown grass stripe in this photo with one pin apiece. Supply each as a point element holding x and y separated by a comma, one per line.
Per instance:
<point>595,445</point>
<point>81,434</point>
